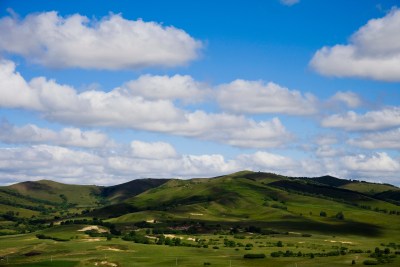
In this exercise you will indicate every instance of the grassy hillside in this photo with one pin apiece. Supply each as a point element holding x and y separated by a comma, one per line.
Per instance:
<point>118,193</point>
<point>49,197</point>
<point>369,188</point>
<point>291,221</point>
<point>80,195</point>
<point>270,202</point>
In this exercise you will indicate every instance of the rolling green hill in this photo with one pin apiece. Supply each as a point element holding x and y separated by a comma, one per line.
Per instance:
<point>225,217</point>
<point>118,193</point>
<point>239,197</point>
<point>47,199</point>
<point>79,195</point>
<point>30,206</point>
<point>369,188</point>
<point>269,201</point>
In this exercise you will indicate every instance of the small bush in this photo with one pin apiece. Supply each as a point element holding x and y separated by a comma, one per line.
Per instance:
<point>339,216</point>
<point>254,256</point>
<point>276,254</point>
<point>42,236</point>
<point>33,253</point>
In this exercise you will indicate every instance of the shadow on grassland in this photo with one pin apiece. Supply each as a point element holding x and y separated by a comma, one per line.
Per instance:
<point>343,228</point>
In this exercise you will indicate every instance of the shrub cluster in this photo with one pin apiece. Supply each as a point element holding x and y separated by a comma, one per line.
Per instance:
<point>254,256</point>
<point>42,236</point>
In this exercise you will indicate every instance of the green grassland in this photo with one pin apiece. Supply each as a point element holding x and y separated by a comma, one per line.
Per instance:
<point>81,195</point>
<point>82,250</point>
<point>330,221</point>
<point>369,188</point>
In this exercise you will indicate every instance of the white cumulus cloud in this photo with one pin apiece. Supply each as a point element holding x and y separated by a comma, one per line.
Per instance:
<point>181,87</point>
<point>378,140</point>
<point>155,150</point>
<point>33,134</point>
<point>50,162</point>
<point>350,99</point>
<point>266,161</point>
<point>370,121</point>
<point>373,52</point>
<point>257,97</point>
<point>109,43</point>
<point>379,162</point>
<point>124,109</point>
<point>70,165</point>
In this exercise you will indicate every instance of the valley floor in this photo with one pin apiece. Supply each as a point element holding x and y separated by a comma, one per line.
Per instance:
<point>208,250</point>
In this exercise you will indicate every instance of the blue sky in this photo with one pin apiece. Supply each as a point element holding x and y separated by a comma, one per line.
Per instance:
<point>107,91</point>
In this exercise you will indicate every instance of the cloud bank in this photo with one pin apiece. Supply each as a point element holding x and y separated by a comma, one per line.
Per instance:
<point>135,107</point>
<point>68,165</point>
<point>388,117</point>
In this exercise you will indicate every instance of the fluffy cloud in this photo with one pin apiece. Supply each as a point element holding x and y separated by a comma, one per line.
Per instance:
<point>50,162</point>
<point>31,134</point>
<point>154,150</point>
<point>323,140</point>
<point>257,97</point>
<point>15,91</point>
<point>348,98</point>
<point>73,166</point>
<point>372,120</point>
<point>373,52</point>
<point>377,167</point>
<point>379,140</point>
<point>111,167</point>
<point>110,43</point>
<point>66,165</point>
<point>380,162</point>
<point>165,87</point>
<point>264,134</point>
<point>265,161</point>
<point>289,2</point>
<point>123,109</point>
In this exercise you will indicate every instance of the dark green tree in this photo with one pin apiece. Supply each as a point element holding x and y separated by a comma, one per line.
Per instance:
<point>339,216</point>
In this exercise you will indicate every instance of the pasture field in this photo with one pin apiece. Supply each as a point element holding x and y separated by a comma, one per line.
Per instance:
<point>214,249</point>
